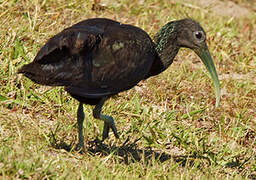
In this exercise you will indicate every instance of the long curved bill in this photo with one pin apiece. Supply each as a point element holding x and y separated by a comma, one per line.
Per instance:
<point>205,56</point>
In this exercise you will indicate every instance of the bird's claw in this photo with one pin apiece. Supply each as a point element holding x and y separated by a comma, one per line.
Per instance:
<point>107,125</point>
<point>105,131</point>
<point>80,148</point>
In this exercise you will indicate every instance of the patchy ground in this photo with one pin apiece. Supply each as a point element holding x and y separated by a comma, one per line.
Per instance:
<point>224,8</point>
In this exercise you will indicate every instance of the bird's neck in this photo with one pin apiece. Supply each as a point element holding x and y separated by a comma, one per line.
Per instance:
<point>166,44</point>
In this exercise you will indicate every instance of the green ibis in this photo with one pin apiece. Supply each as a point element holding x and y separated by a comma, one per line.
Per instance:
<point>98,58</point>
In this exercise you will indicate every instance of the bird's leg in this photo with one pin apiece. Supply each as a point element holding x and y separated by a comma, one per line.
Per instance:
<point>80,120</point>
<point>108,120</point>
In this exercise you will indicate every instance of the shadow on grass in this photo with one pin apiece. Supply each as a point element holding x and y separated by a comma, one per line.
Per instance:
<point>128,152</point>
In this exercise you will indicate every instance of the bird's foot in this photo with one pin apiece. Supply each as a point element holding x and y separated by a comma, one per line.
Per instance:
<point>109,123</point>
<point>80,148</point>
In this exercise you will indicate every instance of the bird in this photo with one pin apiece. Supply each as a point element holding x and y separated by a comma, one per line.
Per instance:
<point>98,57</point>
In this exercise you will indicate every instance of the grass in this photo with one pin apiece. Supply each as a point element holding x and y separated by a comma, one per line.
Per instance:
<point>168,124</point>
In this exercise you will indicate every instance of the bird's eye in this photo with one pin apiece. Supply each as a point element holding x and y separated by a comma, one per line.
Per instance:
<point>199,35</point>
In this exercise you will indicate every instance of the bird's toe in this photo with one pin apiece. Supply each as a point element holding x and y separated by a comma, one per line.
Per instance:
<point>105,131</point>
<point>110,123</point>
<point>80,148</point>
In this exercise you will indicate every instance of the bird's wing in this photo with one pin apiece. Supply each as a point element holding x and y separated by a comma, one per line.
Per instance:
<point>122,58</point>
<point>93,60</point>
<point>61,60</point>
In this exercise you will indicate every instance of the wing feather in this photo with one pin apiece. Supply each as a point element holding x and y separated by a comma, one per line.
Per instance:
<point>63,58</point>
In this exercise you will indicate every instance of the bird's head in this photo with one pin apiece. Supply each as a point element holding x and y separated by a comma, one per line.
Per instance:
<point>191,35</point>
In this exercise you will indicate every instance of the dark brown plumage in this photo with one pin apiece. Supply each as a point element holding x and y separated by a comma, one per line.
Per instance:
<point>98,58</point>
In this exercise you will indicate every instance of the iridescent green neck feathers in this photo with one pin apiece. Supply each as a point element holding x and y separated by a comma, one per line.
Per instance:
<point>166,45</point>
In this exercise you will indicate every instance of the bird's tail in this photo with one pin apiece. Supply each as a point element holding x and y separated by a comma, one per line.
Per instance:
<point>37,74</point>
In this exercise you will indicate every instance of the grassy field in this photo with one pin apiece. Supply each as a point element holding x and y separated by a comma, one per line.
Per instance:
<point>168,124</point>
